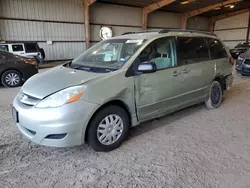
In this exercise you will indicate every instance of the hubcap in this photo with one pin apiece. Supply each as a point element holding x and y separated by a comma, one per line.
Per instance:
<point>110,129</point>
<point>215,95</point>
<point>12,79</point>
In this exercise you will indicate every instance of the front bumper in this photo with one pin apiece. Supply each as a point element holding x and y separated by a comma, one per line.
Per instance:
<point>64,126</point>
<point>242,67</point>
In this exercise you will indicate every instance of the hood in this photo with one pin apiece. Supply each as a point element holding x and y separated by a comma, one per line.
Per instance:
<point>245,55</point>
<point>55,79</point>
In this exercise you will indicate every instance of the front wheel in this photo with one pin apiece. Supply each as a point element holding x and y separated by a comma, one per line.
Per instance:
<point>215,96</point>
<point>108,129</point>
<point>11,78</point>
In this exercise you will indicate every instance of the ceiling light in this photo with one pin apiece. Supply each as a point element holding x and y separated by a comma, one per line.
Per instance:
<point>184,2</point>
<point>229,6</point>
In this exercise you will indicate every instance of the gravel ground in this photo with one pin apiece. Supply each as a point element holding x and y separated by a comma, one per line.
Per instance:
<point>194,148</point>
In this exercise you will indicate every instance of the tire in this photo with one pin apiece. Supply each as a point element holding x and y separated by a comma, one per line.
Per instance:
<point>215,96</point>
<point>6,78</point>
<point>97,130</point>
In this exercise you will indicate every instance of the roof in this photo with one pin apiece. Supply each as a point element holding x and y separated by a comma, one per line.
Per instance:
<point>181,8</point>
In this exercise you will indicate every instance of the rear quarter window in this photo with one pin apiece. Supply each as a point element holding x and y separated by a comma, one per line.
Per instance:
<point>217,50</point>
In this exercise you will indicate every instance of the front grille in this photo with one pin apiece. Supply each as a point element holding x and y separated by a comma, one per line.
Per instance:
<point>28,100</point>
<point>245,69</point>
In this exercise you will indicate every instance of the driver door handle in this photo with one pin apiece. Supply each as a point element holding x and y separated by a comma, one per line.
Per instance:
<point>186,70</point>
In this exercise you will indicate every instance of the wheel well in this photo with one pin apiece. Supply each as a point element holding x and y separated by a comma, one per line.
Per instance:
<point>222,82</point>
<point>116,103</point>
<point>9,70</point>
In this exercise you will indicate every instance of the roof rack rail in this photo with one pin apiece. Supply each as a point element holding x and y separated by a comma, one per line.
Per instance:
<point>169,30</point>
<point>186,30</point>
<point>128,33</point>
<point>143,31</point>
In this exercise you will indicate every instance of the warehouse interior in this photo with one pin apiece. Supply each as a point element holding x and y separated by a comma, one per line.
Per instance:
<point>59,25</point>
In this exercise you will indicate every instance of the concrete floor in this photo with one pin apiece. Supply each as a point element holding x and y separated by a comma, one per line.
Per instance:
<point>194,148</point>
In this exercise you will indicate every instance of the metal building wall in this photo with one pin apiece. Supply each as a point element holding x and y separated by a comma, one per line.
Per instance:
<point>123,19</point>
<point>232,30</point>
<point>62,21</point>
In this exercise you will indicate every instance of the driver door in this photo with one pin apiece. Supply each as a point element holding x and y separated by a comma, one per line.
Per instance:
<point>162,91</point>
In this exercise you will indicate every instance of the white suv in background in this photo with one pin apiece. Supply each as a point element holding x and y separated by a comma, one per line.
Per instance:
<point>26,49</point>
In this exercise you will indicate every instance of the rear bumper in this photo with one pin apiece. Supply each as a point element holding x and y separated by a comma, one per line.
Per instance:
<point>29,72</point>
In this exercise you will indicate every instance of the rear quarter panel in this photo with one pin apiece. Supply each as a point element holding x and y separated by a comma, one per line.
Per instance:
<point>223,66</point>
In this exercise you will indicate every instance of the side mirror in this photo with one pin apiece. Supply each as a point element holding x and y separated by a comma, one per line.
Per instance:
<point>147,67</point>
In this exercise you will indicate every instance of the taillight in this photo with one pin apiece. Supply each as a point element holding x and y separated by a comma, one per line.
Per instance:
<point>240,58</point>
<point>231,60</point>
<point>31,62</point>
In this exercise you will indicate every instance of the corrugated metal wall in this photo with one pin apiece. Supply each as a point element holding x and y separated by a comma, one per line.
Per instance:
<point>62,21</point>
<point>232,30</point>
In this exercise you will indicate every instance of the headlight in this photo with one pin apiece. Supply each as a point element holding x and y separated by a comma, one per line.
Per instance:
<point>240,58</point>
<point>62,97</point>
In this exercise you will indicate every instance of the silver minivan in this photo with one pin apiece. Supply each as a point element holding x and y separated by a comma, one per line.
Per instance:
<point>119,83</point>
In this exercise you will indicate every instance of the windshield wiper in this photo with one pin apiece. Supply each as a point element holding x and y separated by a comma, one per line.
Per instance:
<point>79,67</point>
<point>92,69</point>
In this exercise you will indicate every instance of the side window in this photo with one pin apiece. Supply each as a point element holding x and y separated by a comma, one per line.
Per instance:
<point>161,52</point>
<point>17,47</point>
<point>192,50</point>
<point>217,50</point>
<point>31,47</point>
<point>4,48</point>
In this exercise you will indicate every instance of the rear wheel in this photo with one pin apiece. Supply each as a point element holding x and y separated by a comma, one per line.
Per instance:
<point>108,129</point>
<point>215,96</point>
<point>11,78</point>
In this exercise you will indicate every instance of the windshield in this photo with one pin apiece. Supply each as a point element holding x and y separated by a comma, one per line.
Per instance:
<point>109,54</point>
<point>243,45</point>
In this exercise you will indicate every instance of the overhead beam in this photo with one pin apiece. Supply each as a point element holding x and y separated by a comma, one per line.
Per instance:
<point>248,28</point>
<point>229,14</point>
<point>150,8</point>
<point>86,5</point>
<point>208,8</point>
<point>198,11</point>
<point>213,19</point>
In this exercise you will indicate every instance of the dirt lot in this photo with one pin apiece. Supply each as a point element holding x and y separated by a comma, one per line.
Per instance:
<point>193,148</point>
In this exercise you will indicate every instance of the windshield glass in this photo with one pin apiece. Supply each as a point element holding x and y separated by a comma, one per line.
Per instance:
<point>109,54</point>
<point>243,45</point>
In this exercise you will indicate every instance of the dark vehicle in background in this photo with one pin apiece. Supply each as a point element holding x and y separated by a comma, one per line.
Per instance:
<point>26,49</point>
<point>243,63</point>
<point>15,69</point>
<point>239,49</point>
